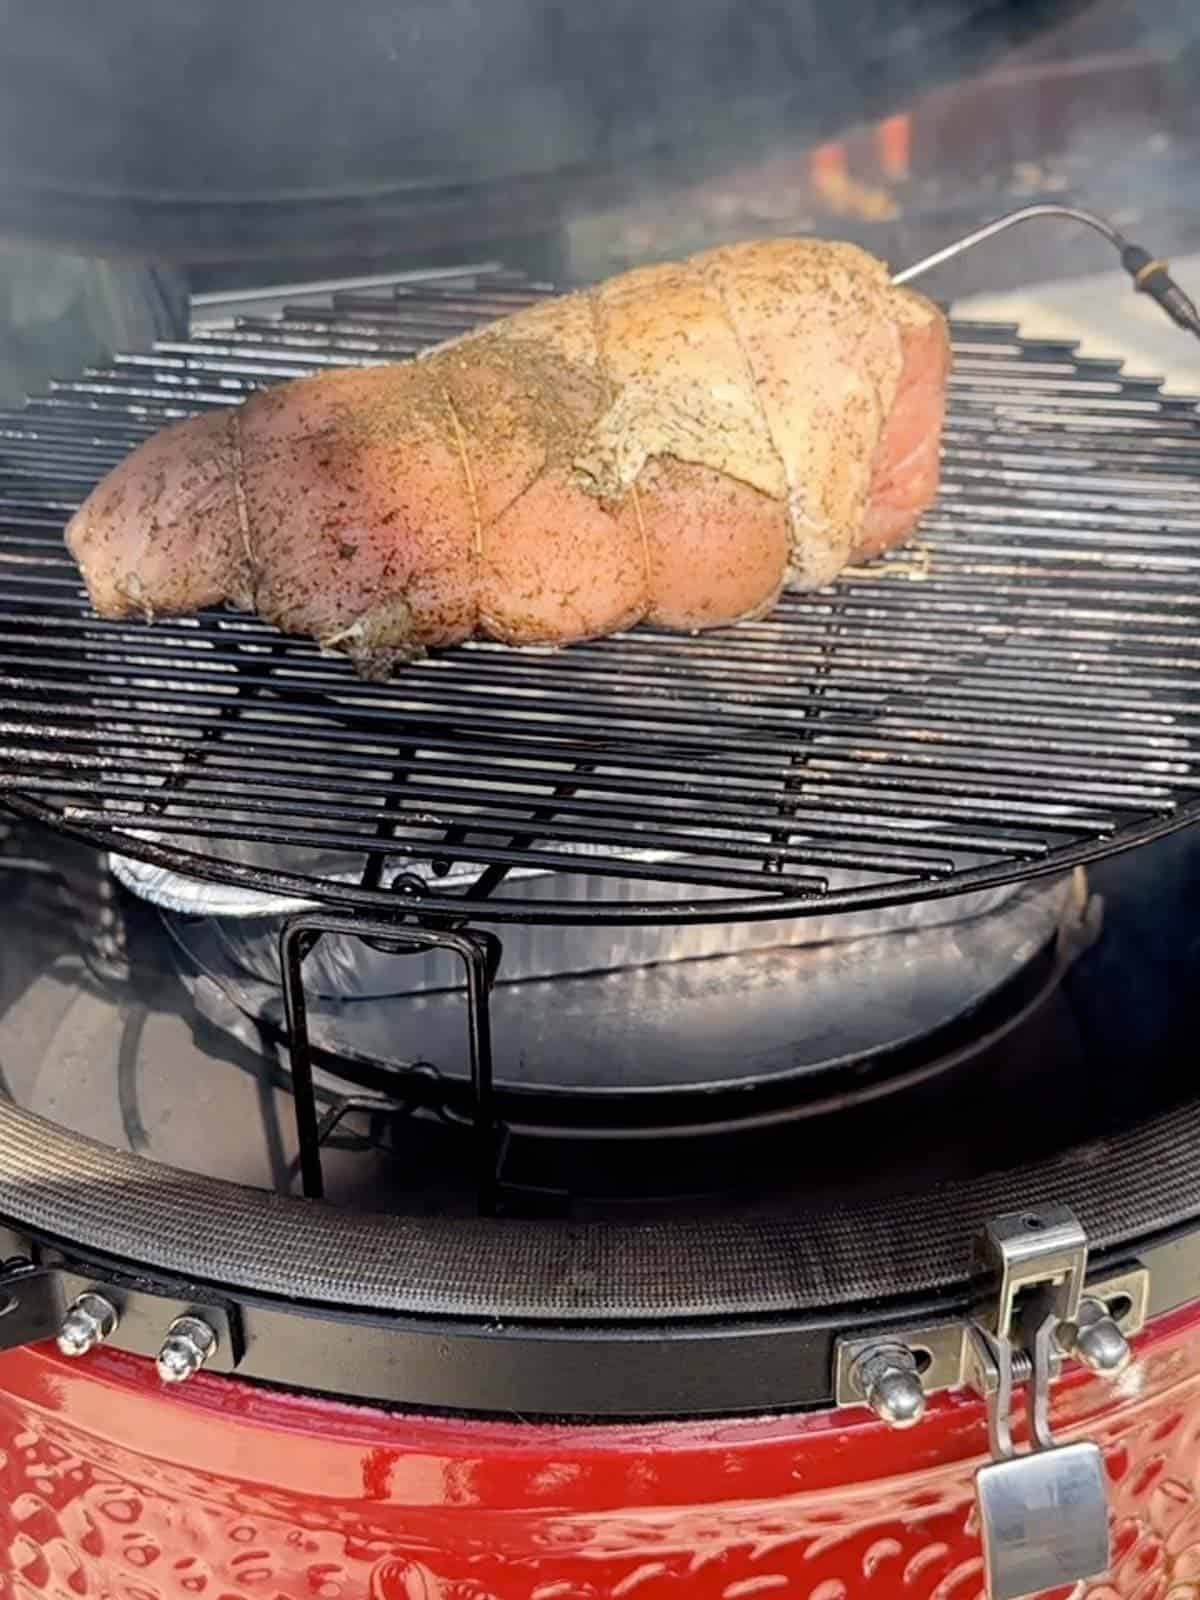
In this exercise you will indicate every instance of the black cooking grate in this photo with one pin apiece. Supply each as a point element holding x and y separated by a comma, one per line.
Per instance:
<point>1018,692</point>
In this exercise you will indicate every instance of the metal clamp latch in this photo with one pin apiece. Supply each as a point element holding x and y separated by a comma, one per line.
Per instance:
<point>1043,1512</point>
<point>1043,1515</point>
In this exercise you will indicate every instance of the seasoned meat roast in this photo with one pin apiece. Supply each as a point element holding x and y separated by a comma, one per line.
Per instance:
<point>676,445</point>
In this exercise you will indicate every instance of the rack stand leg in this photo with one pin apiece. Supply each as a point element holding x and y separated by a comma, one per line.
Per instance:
<point>480,955</point>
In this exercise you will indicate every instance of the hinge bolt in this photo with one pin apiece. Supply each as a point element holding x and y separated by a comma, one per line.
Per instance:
<point>1096,1340</point>
<point>889,1381</point>
<point>188,1345</point>
<point>89,1321</point>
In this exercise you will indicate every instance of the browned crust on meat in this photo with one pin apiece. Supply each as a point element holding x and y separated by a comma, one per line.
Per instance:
<point>559,474</point>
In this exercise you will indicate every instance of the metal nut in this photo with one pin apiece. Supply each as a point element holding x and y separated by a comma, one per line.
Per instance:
<point>888,1379</point>
<point>188,1345</point>
<point>1096,1340</point>
<point>89,1320</point>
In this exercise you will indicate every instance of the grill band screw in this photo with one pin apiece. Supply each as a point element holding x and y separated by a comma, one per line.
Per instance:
<point>188,1345</point>
<point>1096,1340</point>
<point>89,1321</point>
<point>889,1381</point>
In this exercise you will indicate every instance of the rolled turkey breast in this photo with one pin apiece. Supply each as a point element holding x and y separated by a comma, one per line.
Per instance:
<point>677,445</point>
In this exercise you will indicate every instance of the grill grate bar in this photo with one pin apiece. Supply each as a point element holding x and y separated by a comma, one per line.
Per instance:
<point>291,835</point>
<point>1041,813</point>
<point>684,732</point>
<point>1018,692</point>
<point>694,829</point>
<point>841,688</point>
<point>221,373</point>
<point>861,602</point>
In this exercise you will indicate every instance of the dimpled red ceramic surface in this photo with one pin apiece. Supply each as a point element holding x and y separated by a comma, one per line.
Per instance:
<point>112,1487</point>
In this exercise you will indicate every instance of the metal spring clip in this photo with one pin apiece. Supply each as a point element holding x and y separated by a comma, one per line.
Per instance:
<point>1043,1514</point>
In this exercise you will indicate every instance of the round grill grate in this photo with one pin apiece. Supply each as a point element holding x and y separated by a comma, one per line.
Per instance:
<point>1015,693</point>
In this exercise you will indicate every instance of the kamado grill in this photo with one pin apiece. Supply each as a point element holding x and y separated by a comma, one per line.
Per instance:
<point>679,1046</point>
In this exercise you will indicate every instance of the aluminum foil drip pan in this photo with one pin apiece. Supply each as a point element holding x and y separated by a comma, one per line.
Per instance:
<point>246,925</point>
<point>727,1019</point>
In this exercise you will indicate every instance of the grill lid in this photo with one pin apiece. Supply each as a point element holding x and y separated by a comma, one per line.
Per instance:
<point>1013,694</point>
